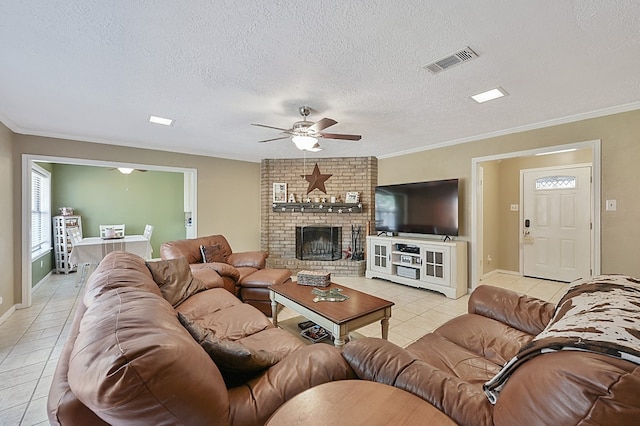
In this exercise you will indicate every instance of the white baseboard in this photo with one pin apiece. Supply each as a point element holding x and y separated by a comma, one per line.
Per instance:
<point>7,314</point>
<point>499,271</point>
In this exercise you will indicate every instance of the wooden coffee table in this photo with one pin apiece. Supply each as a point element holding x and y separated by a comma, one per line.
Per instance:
<point>339,318</point>
<point>357,402</point>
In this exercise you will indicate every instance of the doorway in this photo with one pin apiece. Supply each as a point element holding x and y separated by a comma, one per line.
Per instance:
<point>479,234</point>
<point>190,205</point>
<point>556,223</point>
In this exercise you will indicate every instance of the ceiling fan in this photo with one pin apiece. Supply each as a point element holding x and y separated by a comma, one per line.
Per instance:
<point>305,133</point>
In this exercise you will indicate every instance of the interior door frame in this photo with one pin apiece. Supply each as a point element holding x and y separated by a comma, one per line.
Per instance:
<point>521,212</point>
<point>191,197</point>
<point>476,234</point>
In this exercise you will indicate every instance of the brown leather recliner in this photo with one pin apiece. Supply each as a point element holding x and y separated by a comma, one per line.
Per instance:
<point>449,366</point>
<point>243,274</point>
<point>129,360</point>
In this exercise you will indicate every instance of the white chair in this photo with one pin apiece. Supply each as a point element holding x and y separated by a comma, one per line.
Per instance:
<point>148,230</point>
<point>83,269</point>
<point>112,231</point>
<point>74,235</point>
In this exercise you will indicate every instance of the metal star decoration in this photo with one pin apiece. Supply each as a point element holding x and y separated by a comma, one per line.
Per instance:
<point>316,180</point>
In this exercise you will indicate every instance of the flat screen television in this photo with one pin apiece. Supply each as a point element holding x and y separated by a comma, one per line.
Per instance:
<point>420,208</point>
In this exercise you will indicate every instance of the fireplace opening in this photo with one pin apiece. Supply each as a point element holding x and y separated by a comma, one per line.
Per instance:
<point>319,242</point>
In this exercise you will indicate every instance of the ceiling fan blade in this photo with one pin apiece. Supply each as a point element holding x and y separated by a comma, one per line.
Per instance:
<point>274,139</point>
<point>340,136</point>
<point>271,127</point>
<point>321,125</point>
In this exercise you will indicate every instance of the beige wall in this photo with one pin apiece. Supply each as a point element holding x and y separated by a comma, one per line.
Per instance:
<point>228,190</point>
<point>7,252</point>
<point>620,136</point>
<point>501,189</point>
<point>491,216</point>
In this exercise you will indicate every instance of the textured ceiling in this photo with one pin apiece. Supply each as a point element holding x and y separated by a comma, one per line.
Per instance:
<point>95,70</point>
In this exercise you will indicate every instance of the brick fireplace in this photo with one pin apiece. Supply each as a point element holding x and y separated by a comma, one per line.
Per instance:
<point>278,227</point>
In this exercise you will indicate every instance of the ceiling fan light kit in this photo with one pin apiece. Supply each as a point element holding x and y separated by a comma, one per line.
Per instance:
<point>315,148</point>
<point>305,143</point>
<point>305,134</point>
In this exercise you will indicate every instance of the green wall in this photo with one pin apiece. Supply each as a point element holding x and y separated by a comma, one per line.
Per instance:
<point>103,195</point>
<point>40,267</point>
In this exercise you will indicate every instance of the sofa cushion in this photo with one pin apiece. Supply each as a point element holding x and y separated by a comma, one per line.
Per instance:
<point>175,280</point>
<point>274,340</point>
<point>248,259</point>
<point>494,341</point>
<point>231,357</point>
<point>266,277</point>
<point>190,248</point>
<point>236,362</point>
<point>215,253</point>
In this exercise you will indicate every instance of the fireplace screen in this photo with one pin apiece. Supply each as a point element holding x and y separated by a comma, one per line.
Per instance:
<point>318,242</point>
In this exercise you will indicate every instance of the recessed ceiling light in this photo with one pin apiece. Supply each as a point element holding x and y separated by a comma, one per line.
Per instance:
<point>489,95</point>
<point>160,120</point>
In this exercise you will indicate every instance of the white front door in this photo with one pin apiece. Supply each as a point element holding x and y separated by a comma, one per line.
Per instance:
<point>556,228</point>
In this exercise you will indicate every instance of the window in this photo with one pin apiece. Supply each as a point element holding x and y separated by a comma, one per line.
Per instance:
<point>556,182</point>
<point>40,210</point>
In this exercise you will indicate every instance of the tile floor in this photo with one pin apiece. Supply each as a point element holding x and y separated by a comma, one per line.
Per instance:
<point>31,339</point>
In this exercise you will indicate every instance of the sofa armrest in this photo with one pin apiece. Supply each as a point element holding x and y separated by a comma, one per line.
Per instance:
<point>256,400</point>
<point>224,270</point>
<point>383,362</point>
<point>377,360</point>
<point>525,313</point>
<point>252,259</point>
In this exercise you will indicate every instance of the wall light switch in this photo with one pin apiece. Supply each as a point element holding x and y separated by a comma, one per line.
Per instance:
<point>611,205</point>
<point>514,207</point>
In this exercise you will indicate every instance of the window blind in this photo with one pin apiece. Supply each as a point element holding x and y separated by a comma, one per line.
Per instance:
<point>40,209</point>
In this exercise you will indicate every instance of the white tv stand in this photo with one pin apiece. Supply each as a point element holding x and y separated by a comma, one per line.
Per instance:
<point>431,264</point>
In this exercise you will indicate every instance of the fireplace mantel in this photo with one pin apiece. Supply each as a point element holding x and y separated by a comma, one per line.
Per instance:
<point>337,208</point>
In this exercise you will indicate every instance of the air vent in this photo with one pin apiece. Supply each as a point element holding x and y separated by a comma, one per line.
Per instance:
<point>451,60</point>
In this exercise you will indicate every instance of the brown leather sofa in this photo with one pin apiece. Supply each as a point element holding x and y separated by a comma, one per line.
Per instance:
<point>243,274</point>
<point>129,360</point>
<point>449,367</point>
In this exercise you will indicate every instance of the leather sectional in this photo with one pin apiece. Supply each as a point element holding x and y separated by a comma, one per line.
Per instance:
<point>129,359</point>
<point>243,274</point>
<point>450,367</point>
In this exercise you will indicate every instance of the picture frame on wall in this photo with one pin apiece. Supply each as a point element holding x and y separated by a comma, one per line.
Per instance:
<point>352,197</point>
<point>279,192</point>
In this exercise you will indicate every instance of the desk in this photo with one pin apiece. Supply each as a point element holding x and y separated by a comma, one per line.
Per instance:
<point>94,249</point>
